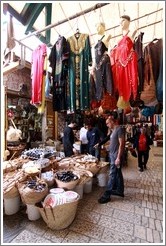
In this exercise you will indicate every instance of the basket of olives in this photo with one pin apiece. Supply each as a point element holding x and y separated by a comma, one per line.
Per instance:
<point>66,179</point>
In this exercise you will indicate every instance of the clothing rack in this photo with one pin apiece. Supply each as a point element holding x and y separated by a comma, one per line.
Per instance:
<point>99,5</point>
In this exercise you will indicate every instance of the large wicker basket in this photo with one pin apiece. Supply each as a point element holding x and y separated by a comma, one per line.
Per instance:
<point>31,196</point>
<point>67,185</point>
<point>59,217</point>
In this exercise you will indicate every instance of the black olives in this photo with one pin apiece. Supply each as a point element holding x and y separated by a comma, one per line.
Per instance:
<point>66,176</point>
<point>33,184</point>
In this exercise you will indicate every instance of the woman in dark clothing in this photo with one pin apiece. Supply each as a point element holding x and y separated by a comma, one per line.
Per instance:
<point>142,142</point>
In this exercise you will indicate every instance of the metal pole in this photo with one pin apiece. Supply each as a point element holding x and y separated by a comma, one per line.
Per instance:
<point>98,5</point>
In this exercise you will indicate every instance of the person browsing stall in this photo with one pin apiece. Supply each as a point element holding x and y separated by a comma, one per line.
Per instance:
<point>115,184</point>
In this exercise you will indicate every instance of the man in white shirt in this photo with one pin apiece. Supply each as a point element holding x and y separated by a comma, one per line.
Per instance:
<point>84,140</point>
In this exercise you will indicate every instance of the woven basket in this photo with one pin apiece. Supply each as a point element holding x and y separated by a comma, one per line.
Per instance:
<point>31,196</point>
<point>11,193</point>
<point>67,185</point>
<point>59,217</point>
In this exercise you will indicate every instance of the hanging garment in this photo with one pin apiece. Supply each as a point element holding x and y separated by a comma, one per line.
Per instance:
<point>38,57</point>
<point>41,108</point>
<point>154,49</point>
<point>10,43</point>
<point>59,63</point>
<point>124,67</point>
<point>102,71</point>
<point>138,47</point>
<point>79,59</point>
<point>159,83</point>
<point>152,54</point>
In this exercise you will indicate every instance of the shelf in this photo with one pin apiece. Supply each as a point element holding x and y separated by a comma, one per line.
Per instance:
<point>16,94</point>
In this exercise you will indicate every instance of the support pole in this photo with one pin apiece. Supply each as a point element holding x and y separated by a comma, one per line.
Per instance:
<point>98,5</point>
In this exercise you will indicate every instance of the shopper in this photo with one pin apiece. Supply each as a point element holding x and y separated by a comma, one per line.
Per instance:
<point>68,139</point>
<point>115,184</point>
<point>94,136</point>
<point>142,144</point>
<point>84,140</point>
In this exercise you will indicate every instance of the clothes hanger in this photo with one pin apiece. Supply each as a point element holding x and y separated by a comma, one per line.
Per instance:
<point>77,34</point>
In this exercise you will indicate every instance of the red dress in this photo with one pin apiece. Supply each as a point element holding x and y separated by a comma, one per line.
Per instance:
<point>38,56</point>
<point>124,67</point>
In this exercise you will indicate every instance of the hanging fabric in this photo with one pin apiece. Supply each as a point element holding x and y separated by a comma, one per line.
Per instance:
<point>102,71</point>
<point>124,67</point>
<point>59,58</point>
<point>152,56</point>
<point>38,58</point>
<point>79,59</point>
<point>138,47</point>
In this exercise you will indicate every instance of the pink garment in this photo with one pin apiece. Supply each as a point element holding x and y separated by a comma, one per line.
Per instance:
<point>37,71</point>
<point>124,67</point>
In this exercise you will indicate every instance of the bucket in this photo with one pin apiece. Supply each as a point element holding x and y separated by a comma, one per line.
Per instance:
<point>79,189</point>
<point>88,186</point>
<point>102,179</point>
<point>33,212</point>
<point>155,143</point>
<point>11,205</point>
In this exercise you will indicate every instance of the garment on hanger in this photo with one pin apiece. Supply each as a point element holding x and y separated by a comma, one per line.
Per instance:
<point>59,63</point>
<point>79,59</point>
<point>124,67</point>
<point>154,49</point>
<point>38,57</point>
<point>102,71</point>
<point>138,47</point>
<point>152,57</point>
<point>159,83</point>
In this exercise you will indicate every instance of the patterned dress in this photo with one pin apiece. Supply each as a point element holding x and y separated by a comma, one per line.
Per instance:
<point>124,67</point>
<point>102,71</point>
<point>79,60</point>
<point>59,62</point>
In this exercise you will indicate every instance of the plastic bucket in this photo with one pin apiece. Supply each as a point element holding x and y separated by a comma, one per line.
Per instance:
<point>11,205</point>
<point>33,212</point>
<point>102,179</point>
<point>79,189</point>
<point>88,186</point>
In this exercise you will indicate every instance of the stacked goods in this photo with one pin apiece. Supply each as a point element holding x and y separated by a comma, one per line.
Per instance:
<point>48,177</point>
<point>59,213</point>
<point>10,189</point>
<point>31,168</point>
<point>11,165</point>
<point>86,162</point>
<point>37,153</point>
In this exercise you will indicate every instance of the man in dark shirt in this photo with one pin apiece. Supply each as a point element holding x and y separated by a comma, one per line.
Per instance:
<point>94,136</point>
<point>68,139</point>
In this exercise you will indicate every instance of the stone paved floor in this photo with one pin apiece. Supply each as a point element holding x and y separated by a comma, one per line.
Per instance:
<point>136,218</point>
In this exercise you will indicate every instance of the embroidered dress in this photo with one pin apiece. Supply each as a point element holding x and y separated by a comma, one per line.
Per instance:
<point>59,62</point>
<point>79,60</point>
<point>124,67</point>
<point>103,73</point>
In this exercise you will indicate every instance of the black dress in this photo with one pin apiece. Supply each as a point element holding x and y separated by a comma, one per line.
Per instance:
<point>102,71</point>
<point>59,63</point>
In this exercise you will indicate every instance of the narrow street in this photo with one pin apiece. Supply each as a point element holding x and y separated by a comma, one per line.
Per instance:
<point>136,218</point>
